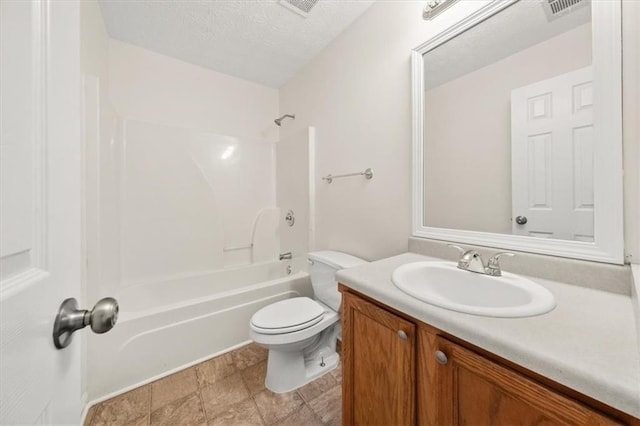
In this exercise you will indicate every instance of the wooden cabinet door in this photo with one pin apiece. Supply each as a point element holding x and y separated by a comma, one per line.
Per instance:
<point>379,365</point>
<point>473,390</point>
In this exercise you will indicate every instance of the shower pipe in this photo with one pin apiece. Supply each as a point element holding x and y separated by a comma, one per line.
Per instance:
<point>278,121</point>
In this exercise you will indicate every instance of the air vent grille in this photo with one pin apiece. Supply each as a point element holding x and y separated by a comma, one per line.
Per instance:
<point>557,8</point>
<point>301,7</point>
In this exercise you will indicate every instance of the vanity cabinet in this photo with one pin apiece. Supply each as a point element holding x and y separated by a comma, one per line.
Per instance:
<point>474,390</point>
<point>400,371</point>
<point>379,353</point>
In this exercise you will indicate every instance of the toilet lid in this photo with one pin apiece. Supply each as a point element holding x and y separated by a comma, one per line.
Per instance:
<point>287,315</point>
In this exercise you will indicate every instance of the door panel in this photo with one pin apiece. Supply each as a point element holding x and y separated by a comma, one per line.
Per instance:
<point>552,157</point>
<point>475,390</point>
<point>40,208</point>
<point>380,358</point>
<point>19,139</point>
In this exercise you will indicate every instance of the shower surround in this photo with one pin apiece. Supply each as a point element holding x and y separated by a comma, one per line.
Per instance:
<point>182,222</point>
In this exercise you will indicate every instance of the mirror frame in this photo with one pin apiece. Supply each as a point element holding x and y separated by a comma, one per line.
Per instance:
<point>608,245</point>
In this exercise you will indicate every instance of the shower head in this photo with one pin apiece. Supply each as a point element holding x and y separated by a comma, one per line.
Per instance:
<point>278,121</point>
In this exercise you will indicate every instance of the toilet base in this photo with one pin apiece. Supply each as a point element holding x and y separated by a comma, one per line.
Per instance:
<point>287,371</point>
<point>300,357</point>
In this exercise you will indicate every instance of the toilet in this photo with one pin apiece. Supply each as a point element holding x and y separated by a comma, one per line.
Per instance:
<point>300,333</point>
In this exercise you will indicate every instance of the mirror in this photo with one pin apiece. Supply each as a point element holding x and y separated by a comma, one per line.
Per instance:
<point>512,107</point>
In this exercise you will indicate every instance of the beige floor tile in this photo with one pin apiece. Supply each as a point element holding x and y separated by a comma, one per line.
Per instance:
<point>224,397</point>
<point>184,411</point>
<point>337,374</point>
<point>317,387</point>
<point>303,417</point>
<point>218,397</point>
<point>328,406</point>
<point>142,421</point>
<point>242,414</point>
<point>274,407</point>
<point>249,355</point>
<point>336,421</point>
<point>173,387</point>
<point>254,377</point>
<point>123,409</point>
<point>215,369</point>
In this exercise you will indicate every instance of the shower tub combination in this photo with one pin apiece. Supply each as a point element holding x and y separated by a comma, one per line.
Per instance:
<point>170,230</point>
<point>169,325</point>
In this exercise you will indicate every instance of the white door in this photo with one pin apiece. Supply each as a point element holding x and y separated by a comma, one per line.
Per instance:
<point>39,208</point>
<point>552,157</point>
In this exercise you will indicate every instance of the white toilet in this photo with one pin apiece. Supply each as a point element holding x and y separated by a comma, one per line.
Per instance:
<point>301,333</point>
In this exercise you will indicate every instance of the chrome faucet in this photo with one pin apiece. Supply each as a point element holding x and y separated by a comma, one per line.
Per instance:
<point>471,260</point>
<point>286,255</point>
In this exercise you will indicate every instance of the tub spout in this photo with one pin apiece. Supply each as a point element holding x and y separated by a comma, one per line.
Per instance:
<point>286,255</point>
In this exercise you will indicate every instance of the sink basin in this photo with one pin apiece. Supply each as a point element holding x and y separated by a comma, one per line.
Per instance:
<point>443,284</point>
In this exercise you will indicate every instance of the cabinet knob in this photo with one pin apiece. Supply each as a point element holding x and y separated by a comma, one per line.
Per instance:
<point>441,357</point>
<point>402,335</point>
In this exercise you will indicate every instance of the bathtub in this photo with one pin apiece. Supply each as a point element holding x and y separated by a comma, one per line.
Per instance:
<point>168,325</point>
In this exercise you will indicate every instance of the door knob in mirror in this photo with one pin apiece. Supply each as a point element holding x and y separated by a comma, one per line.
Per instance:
<point>521,220</point>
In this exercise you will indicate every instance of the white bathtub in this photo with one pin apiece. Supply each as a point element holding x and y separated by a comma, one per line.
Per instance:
<point>168,325</point>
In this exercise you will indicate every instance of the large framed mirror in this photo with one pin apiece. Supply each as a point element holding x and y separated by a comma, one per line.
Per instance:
<point>517,129</point>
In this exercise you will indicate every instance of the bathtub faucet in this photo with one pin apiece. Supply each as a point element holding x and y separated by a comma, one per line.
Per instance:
<point>286,255</point>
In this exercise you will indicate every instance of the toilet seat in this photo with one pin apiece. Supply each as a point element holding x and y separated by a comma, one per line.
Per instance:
<point>287,316</point>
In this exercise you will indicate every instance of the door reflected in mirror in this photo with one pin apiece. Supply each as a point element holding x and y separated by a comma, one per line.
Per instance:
<point>508,126</point>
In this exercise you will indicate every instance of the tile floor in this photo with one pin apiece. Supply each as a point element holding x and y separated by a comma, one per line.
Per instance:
<point>226,390</point>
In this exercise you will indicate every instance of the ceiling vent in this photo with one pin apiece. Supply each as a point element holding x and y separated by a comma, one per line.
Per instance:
<point>557,8</point>
<point>301,7</point>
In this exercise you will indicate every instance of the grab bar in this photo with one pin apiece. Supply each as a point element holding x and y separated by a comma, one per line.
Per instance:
<point>367,173</point>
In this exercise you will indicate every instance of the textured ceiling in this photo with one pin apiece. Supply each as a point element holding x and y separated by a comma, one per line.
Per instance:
<point>513,29</point>
<point>257,40</point>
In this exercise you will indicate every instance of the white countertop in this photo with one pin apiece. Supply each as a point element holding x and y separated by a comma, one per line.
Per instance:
<point>588,342</point>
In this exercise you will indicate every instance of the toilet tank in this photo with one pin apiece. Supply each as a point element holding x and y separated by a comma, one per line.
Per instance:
<point>322,269</point>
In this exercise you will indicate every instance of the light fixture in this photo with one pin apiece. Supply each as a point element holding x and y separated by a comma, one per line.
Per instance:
<point>436,7</point>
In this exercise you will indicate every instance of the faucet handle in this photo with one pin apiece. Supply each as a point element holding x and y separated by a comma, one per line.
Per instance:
<point>493,265</point>
<point>470,260</point>
<point>460,249</point>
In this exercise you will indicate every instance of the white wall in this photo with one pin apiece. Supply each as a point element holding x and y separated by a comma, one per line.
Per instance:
<point>95,41</point>
<point>294,163</point>
<point>101,157</point>
<point>459,154</point>
<point>631,126</point>
<point>101,256</point>
<point>357,93</point>
<point>150,87</point>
